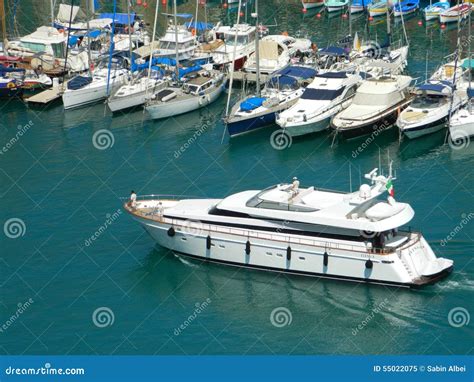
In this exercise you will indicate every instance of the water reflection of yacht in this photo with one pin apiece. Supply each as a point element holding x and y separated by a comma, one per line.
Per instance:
<point>307,231</point>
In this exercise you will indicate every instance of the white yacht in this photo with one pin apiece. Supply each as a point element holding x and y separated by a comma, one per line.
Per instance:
<point>461,125</point>
<point>84,90</point>
<point>434,102</point>
<point>136,92</point>
<point>275,53</point>
<point>198,89</point>
<point>329,93</point>
<point>355,236</point>
<point>243,46</point>
<point>180,35</point>
<point>376,105</point>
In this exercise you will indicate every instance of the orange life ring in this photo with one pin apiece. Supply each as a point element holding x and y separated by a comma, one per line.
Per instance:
<point>61,30</point>
<point>193,31</point>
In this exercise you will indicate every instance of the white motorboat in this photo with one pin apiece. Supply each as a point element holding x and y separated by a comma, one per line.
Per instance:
<point>329,93</point>
<point>84,90</point>
<point>461,125</point>
<point>310,4</point>
<point>276,52</point>
<point>442,95</point>
<point>177,35</point>
<point>281,91</point>
<point>355,236</point>
<point>136,92</point>
<point>243,45</point>
<point>375,107</point>
<point>198,89</point>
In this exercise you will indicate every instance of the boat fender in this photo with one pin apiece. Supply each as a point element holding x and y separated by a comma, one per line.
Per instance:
<point>247,247</point>
<point>369,264</point>
<point>171,232</point>
<point>326,259</point>
<point>208,242</point>
<point>304,118</point>
<point>288,253</point>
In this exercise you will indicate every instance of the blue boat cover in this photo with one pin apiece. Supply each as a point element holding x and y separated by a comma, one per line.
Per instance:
<point>4,69</point>
<point>297,71</point>
<point>251,103</point>
<point>199,26</point>
<point>79,82</point>
<point>183,71</point>
<point>470,92</point>
<point>75,37</point>
<point>120,18</point>
<point>432,87</point>
<point>333,51</point>
<point>166,61</point>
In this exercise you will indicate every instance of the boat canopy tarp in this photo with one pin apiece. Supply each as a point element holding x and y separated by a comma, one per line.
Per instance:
<point>297,71</point>
<point>75,37</point>
<point>200,26</point>
<point>333,51</point>
<point>184,71</point>
<point>4,69</point>
<point>468,63</point>
<point>332,75</point>
<point>470,92</point>
<point>435,88</point>
<point>282,81</point>
<point>79,82</point>
<point>166,61</point>
<point>120,18</point>
<point>251,103</point>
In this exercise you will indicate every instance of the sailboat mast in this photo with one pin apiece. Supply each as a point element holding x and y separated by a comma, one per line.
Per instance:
<point>152,48</point>
<point>176,38</point>
<point>129,31</point>
<point>52,12</point>
<point>389,29</point>
<point>89,58</point>
<point>4,23</point>
<point>257,49</point>
<point>196,16</point>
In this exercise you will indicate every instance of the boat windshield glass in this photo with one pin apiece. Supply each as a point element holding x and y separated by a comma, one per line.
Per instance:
<point>241,39</point>
<point>427,102</point>
<point>59,50</point>
<point>322,94</point>
<point>258,202</point>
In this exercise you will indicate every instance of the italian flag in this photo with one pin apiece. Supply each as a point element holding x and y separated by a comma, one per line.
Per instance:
<point>390,189</point>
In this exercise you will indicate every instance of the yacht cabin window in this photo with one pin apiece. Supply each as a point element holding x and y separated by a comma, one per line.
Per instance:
<point>322,94</point>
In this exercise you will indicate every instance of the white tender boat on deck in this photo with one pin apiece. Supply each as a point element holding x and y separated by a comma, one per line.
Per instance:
<point>307,231</point>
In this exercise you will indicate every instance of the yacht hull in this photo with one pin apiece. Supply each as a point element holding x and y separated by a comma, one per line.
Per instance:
<point>300,130</point>
<point>263,251</point>
<point>243,126</point>
<point>89,95</point>
<point>368,128</point>
<point>426,129</point>
<point>173,108</point>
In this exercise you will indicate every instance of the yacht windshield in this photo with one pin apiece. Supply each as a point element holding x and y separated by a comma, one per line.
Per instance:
<point>427,102</point>
<point>321,94</point>
<point>241,40</point>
